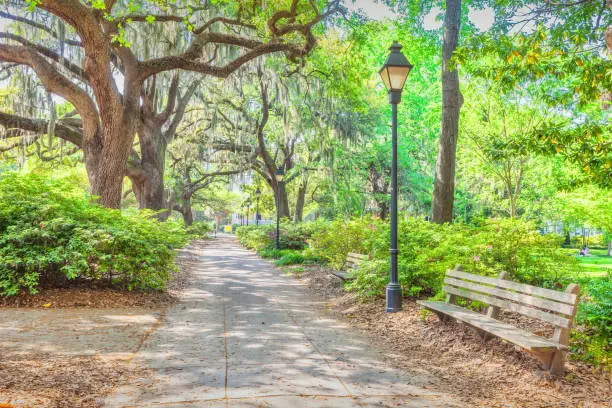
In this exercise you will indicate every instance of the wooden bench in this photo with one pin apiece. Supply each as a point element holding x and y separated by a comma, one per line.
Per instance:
<point>556,308</point>
<point>353,260</point>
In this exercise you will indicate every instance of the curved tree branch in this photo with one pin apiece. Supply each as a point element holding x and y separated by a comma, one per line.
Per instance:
<point>62,130</point>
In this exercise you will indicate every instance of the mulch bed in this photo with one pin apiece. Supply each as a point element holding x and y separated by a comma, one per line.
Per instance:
<point>491,374</point>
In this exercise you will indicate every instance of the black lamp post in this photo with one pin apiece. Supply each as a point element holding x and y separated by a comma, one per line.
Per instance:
<point>248,205</point>
<point>280,174</point>
<point>257,195</point>
<point>241,214</point>
<point>394,74</point>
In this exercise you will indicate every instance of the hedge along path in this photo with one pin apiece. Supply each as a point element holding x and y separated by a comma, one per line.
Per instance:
<point>245,334</point>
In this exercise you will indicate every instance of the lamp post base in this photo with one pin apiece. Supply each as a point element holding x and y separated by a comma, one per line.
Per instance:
<point>394,298</point>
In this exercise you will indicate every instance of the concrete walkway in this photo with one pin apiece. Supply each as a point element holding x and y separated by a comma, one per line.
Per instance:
<point>245,335</point>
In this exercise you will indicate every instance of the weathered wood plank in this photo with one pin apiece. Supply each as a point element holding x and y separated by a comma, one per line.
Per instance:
<point>343,275</point>
<point>520,337</point>
<point>557,320</point>
<point>551,305</point>
<point>358,256</point>
<point>563,297</point>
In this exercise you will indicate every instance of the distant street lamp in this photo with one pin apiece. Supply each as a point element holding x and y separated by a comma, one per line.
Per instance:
<point>242,214</point>
<point>257,195</point>
<point>280,174</point>
<point>394,74</point>
<point>248,205</point>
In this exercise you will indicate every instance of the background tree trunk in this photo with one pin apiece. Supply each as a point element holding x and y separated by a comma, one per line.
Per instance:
<point>444,185</point>
<point>153,160</point>
<point>301,201</point>
<point>284,201</point>
<point>187,213</point>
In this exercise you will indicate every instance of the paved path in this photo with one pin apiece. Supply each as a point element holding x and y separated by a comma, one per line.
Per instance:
<point>246,335</point>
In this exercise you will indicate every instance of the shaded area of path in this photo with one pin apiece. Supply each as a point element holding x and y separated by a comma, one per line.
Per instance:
<point>245,335</point>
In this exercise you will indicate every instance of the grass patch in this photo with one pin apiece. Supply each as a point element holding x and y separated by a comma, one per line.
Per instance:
<point>598,264</point>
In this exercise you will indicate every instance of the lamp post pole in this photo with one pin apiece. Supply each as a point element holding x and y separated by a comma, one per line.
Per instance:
<point>280,174</point>
<point>257,194</point>
<point>394,290</point>
<point>394,74</point>
<point>248,206</point>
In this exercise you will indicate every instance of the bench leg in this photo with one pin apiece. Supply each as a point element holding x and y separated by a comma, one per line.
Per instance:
<point>553,361</point>
<point>484,335</point>
<point>557,363</point>
<point>442,317</point>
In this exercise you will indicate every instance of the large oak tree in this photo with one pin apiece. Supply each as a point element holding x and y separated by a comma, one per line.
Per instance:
<point>106,87</point>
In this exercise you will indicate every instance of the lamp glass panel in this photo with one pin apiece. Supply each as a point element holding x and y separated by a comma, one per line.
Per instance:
<point>397,77</point>
<point>279,177</point>
<point>384,74</point>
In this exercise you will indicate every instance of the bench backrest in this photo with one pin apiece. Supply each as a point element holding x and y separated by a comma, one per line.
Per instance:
<point>353,259</point>
<point>557,308</point>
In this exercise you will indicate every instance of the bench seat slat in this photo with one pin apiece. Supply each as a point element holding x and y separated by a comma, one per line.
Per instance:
<point>558,321</point>
<point>343,275</point>
<point>357,257</point>
<point>520,337</point>
<point>563,297</point>
<point>514,296</point>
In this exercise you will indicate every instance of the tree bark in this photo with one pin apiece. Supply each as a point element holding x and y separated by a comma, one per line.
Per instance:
<point>444,186</point>
<point>149,189</point>
<point>610,248</point>
<point>301,201</point>
<point>187,211</point>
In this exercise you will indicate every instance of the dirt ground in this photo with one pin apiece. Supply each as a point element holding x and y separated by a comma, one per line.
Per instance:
<point>492,374</point>
<point>70,347</point>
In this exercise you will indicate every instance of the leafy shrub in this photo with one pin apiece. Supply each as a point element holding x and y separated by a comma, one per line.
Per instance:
<point>291,258</point>
<point>271,253</point>
<point>51,233</point>
<point>255,237</point>
<point>292,236</point>
<point>198,230</point>
<point>332,241</point>
<point>427,250</point>
<point>592,340</point>
<point>294,257</point>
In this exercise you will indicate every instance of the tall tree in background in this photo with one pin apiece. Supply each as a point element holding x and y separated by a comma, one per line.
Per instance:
<point>444,185</point>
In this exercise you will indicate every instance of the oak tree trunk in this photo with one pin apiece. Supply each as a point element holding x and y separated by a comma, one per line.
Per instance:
<point>187,213</point>
<point>284,202</point>
<point>149,184</point>
<point>107,165</point>
<point>444,186</point>
<point>301,201</point>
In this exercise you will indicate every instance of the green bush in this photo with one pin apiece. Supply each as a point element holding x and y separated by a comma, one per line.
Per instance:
<point>296,257</point>
<point>198,230</point>
<point>271,253</point>
<point>592,341</point>
<point>427,250</point>
<point>256,237</point>
<point>292,258</point>
<point>332,241</point>
<point>292,236</point>
<point>51,233</point>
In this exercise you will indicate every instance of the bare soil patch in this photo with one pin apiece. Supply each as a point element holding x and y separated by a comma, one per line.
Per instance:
<point>491,374</point>
<point>71,347</point>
